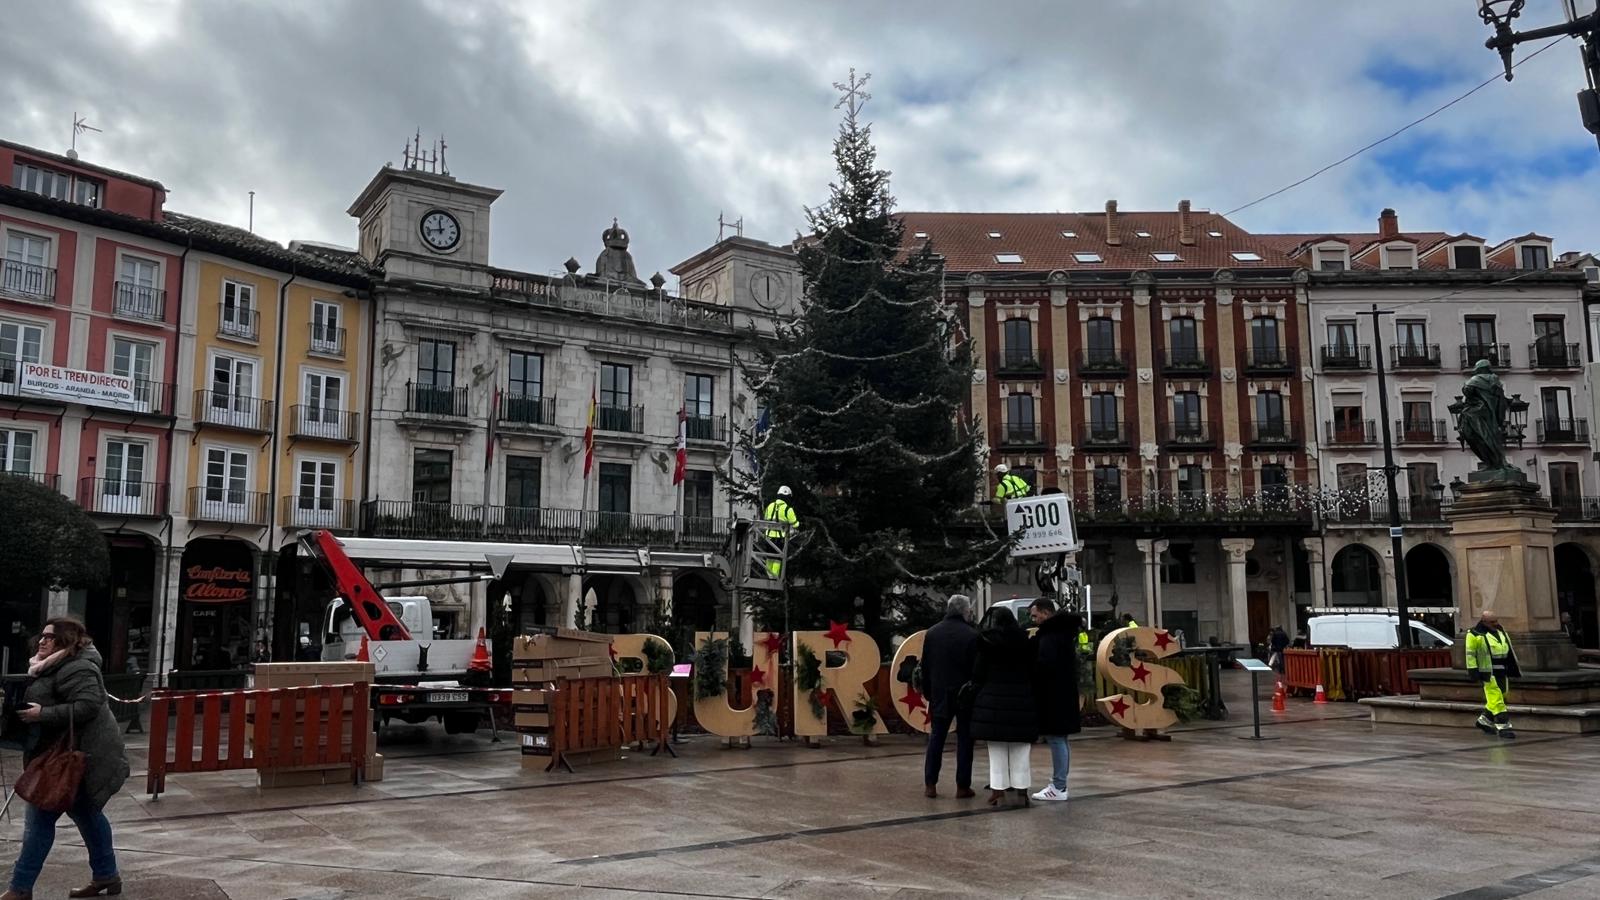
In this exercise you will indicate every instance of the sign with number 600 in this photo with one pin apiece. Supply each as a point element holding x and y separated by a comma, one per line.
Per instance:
<point>1046,524</point>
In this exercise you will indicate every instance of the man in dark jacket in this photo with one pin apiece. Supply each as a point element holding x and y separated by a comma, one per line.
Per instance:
<point>948,652</point>
<point>1056,688</point>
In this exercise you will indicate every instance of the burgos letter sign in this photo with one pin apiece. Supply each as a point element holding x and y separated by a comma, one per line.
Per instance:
<point>1046,523</point>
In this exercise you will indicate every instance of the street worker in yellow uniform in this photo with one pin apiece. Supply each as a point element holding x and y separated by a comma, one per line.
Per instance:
<point>1009,486</point>
<point>781,512</point>
<point>1491,660</point>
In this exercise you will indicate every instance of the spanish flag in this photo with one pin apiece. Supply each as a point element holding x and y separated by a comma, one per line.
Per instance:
<point>588,433</point>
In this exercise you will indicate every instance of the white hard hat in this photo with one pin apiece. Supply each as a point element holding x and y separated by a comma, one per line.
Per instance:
<point>1002,469</point>
<point>784,491</point>
<point>305,641</point>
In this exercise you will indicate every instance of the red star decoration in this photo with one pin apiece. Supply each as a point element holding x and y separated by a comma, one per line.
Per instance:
<point>913,699</point>
<point>757,676</point>
<point>1140,673</point>
<point>927,719</point>
<point>1119,707</point>
<point>772,642</point>
<point>838,632</point>
<point>1164,640</point>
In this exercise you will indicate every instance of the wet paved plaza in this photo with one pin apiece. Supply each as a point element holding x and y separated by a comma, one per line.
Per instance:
<point>1332,807</point>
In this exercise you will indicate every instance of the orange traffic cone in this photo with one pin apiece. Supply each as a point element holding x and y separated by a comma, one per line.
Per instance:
<point>480,655</point>
<point>1278,697</point>
<point>362,655</point>
<point>1322,695</point>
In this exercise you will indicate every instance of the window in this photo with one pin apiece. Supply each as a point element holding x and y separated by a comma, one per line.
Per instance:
<point>1274,484</point>
<point>1535,256</point>
<point>1420,479</point>
<point>1191,485</point>
<point>322,412</point>
<point>25,270</point>
<point>122,485</point>
<point>1104,416</point>
<point>1101,336</point>
<point>238,309</point>
<point>1166,257</point>
<point>19,343</point>
<point>1416,420</point>
<point>1550,341</point>
<point>1143,234</point>
<point>1342,339</point>
<point>1333,259</point>
<point>1481,341</point>
<point>1008,258</point>
<point>616,488</point>
<point>994,235</point>
<point>699,496</point>
<point>37,179</point>
<point>1466,256</point>
<point>1411,337</point>
<point>1107,487</point>
<point>1215,234</point>
<point>138,289</point>
<point>227,482</point>
<point>1556,405</point>
<point>1246,256</point>
<point>233,387</point>
<point>316,491</point>
<point>1069,234</point>
<point>136,360</point>
<point>436,377</point>
<point>616,397</point>
<point>1565,493</point>
<point>522,482</point>
<point>1183,342</point>
<point>1348,427</point>
<point>1016,341</point>
<point>1269,415</point>
<point>1177,564</point>
<point>920,235</point>
<point>699,404</point>
<point>430,476</point>
<point>1021,426</point>
<point>1592,274</point>
<point>1400,258</point>
<point>1186,417</point>
<point>327,334</point>
<point>16,451</point>
<point>1265,340</point>
<point>1087,257</point>
<point>523,400</point>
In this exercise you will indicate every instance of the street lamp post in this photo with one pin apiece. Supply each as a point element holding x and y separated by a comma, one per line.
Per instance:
<point>1499,15</point>
<point>1390,470</point>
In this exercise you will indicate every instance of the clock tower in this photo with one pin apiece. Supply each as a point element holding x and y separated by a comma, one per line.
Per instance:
<point>426,226</point>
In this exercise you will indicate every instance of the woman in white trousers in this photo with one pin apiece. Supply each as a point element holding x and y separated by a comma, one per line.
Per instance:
<point>1004,713</point>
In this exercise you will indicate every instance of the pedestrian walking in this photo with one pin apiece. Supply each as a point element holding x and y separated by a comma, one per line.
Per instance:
<point>948,653</point>
<point>1277,642</point>
<point>1055,688</point>
<point>66,704</point>
<point>1004,713</point>
<point>1491,659</point>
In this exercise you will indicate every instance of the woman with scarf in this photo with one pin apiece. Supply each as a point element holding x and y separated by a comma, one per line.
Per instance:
<point>1004,714</point>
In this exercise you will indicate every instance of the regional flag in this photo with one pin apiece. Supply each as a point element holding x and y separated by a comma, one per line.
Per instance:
<point>683,445</point>
<point>588,433</point>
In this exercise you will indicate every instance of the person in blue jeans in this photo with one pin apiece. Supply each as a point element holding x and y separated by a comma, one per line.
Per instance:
<point>66,701</point>
<point>1055,688</point>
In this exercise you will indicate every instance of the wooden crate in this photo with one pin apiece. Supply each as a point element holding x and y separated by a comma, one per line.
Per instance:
<point>311,674</point>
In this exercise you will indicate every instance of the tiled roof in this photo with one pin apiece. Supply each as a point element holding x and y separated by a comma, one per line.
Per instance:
<point>247,242</point>
<point>79,163</point>
<point>1361,241</point>
<point>964,242</point>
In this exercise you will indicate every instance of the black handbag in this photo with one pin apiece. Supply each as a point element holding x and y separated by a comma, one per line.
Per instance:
<point>967,696</point>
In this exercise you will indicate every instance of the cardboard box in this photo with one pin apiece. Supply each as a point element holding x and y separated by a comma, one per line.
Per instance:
<point>530,697</point>
<point>531,720</point>
<point>564,643</point>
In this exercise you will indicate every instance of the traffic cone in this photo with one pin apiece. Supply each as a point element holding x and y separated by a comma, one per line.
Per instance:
<point>362,655</point>
<point>1322,695</point>
<point>1278,697</point>
<point>480,655</point>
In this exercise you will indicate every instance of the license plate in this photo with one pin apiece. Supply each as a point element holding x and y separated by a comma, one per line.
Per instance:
<point>449,697</point>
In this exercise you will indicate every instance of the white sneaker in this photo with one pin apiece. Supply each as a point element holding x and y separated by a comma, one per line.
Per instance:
<point>1050,793</point>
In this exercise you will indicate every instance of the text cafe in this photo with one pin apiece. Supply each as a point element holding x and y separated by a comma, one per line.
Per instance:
<point>215,589</point>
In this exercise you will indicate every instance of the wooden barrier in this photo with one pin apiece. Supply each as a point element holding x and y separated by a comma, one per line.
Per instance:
<point>1347,674</point>
<point>599,715</point>
<point>285,728</point>
<point>1302,670</point>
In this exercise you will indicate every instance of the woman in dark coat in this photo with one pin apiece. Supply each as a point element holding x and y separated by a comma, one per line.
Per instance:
<point>1056,688</point>
<point>1004,714</point>
<point>69,690</point>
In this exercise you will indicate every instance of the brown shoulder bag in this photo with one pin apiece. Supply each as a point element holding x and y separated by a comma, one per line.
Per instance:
<point>50,782</point>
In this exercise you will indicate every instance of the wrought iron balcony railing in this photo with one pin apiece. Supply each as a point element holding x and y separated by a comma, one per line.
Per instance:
<point>1414,356</point>
<point>223,504</point>
<point>123,497</point>
<point>139,301</point>
<point>1346,356</point>
<point>427,400</point>
<point>27,282</point>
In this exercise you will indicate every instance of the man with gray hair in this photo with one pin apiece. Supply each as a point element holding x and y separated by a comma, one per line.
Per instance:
<point>948,653</point>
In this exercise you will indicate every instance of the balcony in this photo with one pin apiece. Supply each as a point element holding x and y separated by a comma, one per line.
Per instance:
<point>707,429</point>
<point>240,323</point>
<point>1103,435</point>
<point>1017,361</point>
<point>1546,355</point>
<point>1184,361</point>
<point>120,497</point>
<point>227,506</point>
<point>27,282</point>
<point>1196,511</point>
<point>48,479</point>
<point>139,301</point>
<point>1414,356</point>
<point>1103,361</point>
<point>1563,431</point>
<point>1420,431</point>
<point>152,398</point>
<point>326,341</point>
<point>525,409</point>
<point>1576,509</point>
<point>1267,360</point>
<point>1374,511</point>
<point>1273,433</point>
<point>1346,357</point>
<point>323,513</point>
<point>1187,434</point>
<point>1498,355</point>
<point>428,401</point>
<point>1020,434</point>
<point>323,423</point>
<point>225,410</point>
<point>520,524</point>
<point>625,419</point>
<point>1350,434</point>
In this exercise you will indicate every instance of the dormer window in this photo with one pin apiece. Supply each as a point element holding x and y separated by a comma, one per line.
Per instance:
<point>1215,234</point>
<point>1011,259</point>
<point>1069,234</point>
<point>1592,274</point>
<point>1166,256</point>
<point>1087,257</point>
<point>1333,259</point>
<point>1143,234</point>
<point>1466,256</point>
<point>1535,256</point>
<point>1245,256</point>
<point>1400,258</point>
<point>36,179</point>
<point>994,235</point>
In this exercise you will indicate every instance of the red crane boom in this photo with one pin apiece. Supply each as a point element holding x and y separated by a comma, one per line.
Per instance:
<point>366,604</point>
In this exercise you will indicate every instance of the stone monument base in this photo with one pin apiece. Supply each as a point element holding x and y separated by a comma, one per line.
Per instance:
<point>1562,701</point>
<point>1459,714</point>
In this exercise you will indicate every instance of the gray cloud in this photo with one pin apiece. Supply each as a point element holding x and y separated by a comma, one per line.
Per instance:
<point>665,114</point>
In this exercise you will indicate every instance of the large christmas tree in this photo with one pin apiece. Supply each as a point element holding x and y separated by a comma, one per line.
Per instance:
<point>863,395</point>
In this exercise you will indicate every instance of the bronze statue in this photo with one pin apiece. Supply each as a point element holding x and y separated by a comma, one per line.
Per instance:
<point>1482,414</point>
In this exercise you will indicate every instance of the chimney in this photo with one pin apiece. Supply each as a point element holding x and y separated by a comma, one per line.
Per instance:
<point>1113,232</point>
<point>1388,224</point>
<point>1185,230</point>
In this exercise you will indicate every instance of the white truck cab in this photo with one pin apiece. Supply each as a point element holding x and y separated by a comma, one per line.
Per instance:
<point>1369,631</point>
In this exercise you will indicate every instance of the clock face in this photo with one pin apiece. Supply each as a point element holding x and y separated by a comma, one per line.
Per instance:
<point>767,290</point>
<point>440,230</point>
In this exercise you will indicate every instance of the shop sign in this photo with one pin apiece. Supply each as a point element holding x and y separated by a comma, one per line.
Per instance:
<point>78,386</point>
<point>215,584</point>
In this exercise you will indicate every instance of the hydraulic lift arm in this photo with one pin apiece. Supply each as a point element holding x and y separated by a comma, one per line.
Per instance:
<point>366,604</point>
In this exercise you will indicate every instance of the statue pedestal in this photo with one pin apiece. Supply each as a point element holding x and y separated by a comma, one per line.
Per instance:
<point>1504,535</point>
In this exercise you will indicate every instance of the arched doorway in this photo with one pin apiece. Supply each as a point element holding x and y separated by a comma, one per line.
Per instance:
<point>1429,583</point>
<point>118,615</point>
<point>1357,577</point>
<point>614,604</point>
<point>531,607</point>
<point>1575,594</point>
<point>694,603</point>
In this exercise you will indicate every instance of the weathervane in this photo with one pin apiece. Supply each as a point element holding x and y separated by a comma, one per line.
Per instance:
<point>855,94</point>
<point>80,124</point>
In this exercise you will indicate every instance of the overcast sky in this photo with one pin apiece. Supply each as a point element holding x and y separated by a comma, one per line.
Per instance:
<point>664,114</point>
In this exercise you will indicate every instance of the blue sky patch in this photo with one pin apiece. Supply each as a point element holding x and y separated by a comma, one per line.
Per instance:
<point>1407,80</point>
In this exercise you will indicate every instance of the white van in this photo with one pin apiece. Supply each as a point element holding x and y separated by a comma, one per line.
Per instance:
<point>1369,631</point>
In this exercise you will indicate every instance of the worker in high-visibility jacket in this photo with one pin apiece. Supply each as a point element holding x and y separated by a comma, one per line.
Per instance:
<point>1083,642</point>
<point>1492,661</point>
<point>1009,486</point>
<point>1128,622</point>
<point>781,512</point>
